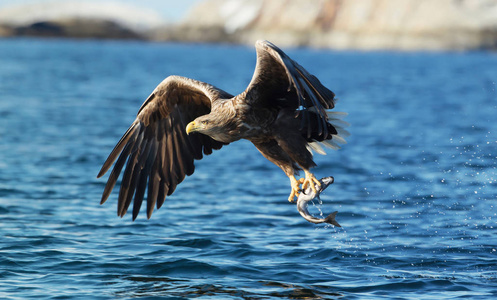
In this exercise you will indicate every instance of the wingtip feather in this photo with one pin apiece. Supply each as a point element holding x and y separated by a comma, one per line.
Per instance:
<point>117,149</point>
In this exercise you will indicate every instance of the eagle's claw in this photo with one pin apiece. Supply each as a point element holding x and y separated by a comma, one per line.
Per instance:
<point>310,181</point>
<point>295,188</point>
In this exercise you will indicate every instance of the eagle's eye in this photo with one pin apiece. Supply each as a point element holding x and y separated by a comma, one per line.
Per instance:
<point>204,122</point>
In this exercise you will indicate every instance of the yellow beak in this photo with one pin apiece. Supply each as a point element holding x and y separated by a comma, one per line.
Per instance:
<point>191,127</point>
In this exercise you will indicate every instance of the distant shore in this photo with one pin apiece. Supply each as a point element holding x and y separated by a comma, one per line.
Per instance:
<point>72,28</point>
<point>407,25</point>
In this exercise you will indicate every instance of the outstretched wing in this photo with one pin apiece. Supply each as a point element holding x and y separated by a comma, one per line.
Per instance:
<point>156,149</point>
<point>279,81</point>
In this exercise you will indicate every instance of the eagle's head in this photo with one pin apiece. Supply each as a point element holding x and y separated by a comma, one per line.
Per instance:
<point>202,124</point>
<point>213,125</point>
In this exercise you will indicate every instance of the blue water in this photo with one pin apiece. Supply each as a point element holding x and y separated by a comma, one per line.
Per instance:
<point>415,187</point>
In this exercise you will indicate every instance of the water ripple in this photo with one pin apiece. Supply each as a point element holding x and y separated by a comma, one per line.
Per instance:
<point>415,186</point>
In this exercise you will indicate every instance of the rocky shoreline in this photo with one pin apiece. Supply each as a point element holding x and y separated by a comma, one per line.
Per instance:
<point>333,24</point>
<point>72,28</point>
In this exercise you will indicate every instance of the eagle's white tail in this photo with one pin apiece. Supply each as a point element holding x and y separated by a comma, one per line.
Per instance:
<point>336,119</point>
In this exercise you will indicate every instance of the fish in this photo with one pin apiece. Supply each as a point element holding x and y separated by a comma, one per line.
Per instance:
<point>307,195</point>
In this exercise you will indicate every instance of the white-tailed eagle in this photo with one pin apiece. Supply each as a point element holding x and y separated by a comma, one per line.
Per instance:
<point>284,112</point>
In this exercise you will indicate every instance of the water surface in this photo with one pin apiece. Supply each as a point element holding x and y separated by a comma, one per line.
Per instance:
<point>415,187</point>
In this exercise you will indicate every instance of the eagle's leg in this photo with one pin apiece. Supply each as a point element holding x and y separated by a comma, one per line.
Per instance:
<point>310,181</point>
<point>272,150</point>
<point>295,187</point>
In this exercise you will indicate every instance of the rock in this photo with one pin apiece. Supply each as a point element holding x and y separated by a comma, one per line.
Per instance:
<point>77,28</point>
<point>78,19</point>
<point>6,30</point>
<point>334,24</point>
<point>351,24</point>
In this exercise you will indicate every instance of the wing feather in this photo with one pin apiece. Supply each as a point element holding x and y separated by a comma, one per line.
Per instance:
<point>280,81</point>
<point>155,152</point>
<point>153,183</point>
<point>117,149</point>
<point>163,185</point>
<point>128,184</point>
<point>111,182</point>
<point>144,175</point>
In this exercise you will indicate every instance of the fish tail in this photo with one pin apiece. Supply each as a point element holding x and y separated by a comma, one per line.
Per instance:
<point>331,219</point>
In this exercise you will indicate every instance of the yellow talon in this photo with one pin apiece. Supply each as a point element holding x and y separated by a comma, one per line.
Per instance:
<point>310,181</point>
<point>295,188</point>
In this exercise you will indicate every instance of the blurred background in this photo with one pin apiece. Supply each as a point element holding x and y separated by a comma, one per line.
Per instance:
<point>334,24</point>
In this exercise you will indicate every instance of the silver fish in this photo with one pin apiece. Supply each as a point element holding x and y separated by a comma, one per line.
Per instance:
<point>307,195</point>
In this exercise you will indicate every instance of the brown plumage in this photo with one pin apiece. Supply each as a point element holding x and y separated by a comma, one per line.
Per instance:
<point>283,112</point>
